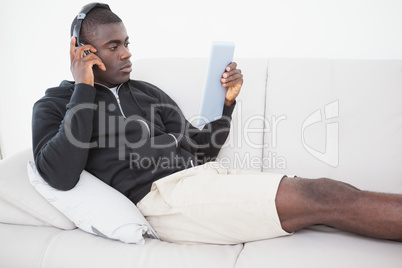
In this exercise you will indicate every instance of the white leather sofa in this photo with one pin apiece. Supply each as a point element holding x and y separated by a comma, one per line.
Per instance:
<point>311,117</point>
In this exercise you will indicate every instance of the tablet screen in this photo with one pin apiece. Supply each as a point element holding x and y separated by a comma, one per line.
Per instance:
<point>213,96</point>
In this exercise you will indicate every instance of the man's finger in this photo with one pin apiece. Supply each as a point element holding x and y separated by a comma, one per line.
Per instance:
<point>100,64</point>
<point>92,59</point>
<point>232,80</point>
<point>72,48</point>
<point>231,75</point>
<point>231,66</point>
<point>233,83</point>
<point>81,49</point>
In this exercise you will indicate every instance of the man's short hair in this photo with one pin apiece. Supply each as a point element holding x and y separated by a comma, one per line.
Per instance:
<point>95,17</point>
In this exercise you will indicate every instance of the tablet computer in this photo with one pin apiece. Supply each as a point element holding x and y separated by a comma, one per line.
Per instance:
<point>213,95</point>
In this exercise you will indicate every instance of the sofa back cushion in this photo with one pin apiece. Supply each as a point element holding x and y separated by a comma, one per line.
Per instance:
<point>339,118</point>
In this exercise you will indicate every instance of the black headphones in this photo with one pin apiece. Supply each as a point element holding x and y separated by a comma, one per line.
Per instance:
<point>81,16</point>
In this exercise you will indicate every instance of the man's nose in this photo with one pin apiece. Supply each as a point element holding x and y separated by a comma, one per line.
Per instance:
<point>126,54</point>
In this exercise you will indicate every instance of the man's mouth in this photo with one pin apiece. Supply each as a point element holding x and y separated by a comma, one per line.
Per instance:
<point>126,68</point>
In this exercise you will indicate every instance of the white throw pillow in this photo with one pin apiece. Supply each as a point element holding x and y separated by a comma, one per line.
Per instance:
<point>96,208</point>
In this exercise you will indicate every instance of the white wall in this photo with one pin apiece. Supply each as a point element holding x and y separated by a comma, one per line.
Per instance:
<point>35,39</point>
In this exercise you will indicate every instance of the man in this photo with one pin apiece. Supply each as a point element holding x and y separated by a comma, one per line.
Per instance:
<point>104,119</point>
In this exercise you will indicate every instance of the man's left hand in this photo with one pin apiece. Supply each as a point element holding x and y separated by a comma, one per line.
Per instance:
<point>232,79</point>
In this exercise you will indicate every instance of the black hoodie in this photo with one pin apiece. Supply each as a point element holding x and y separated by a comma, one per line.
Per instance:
<point>128,142</point>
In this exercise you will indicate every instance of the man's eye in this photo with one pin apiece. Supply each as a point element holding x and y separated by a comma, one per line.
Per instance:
<point>113,48</point>
<point>126,44</point>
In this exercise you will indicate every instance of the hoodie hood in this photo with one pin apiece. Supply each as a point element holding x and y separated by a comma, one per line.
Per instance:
<point>63,90</point>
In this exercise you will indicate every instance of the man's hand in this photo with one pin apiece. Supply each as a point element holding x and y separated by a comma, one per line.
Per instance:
<point>81,67</point>
<point>233,80</point>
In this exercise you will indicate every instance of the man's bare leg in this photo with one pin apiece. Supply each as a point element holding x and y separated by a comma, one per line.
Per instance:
<point>305,202</point>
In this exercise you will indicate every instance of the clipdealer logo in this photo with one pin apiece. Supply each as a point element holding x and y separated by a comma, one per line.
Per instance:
<point>330,156</point>
<point>245,133</point>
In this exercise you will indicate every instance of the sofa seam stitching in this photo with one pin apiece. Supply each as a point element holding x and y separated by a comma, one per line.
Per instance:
<point>238,255</point>
<point>265,111</point>
<point>47,245</point>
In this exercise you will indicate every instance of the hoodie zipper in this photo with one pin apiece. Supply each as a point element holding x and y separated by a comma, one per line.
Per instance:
<point>118,101</point>
<point>125,117</point>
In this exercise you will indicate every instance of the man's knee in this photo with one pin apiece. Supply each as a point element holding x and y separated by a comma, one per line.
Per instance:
<point>316,194</point>
<point>302,202</point>
<point>329,194</point>
<point>298,203</point>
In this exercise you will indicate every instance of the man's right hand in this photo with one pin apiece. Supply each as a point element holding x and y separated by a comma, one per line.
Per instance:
<point>81,67</point>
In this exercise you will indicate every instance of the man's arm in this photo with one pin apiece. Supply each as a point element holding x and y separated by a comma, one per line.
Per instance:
<point>206,143</point>
<point>211,139</point>
<point>59,136</point>
<point>61,139</point>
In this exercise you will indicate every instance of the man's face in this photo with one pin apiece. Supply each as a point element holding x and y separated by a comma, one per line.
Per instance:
<point>111,43</point>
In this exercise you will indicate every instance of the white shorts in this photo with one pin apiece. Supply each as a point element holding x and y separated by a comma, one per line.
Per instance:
<point>210,204</point>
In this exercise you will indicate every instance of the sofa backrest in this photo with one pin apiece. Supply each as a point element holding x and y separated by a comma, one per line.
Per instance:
<point>343,119</point>
<point>308,117</point>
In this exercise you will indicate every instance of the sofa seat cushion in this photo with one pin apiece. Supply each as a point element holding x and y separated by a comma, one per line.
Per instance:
<point>48,247</point>
<point>25,246</point>
<point>321,248</point>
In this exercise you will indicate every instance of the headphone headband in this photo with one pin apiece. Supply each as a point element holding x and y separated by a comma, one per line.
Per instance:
<point>81,16</point>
